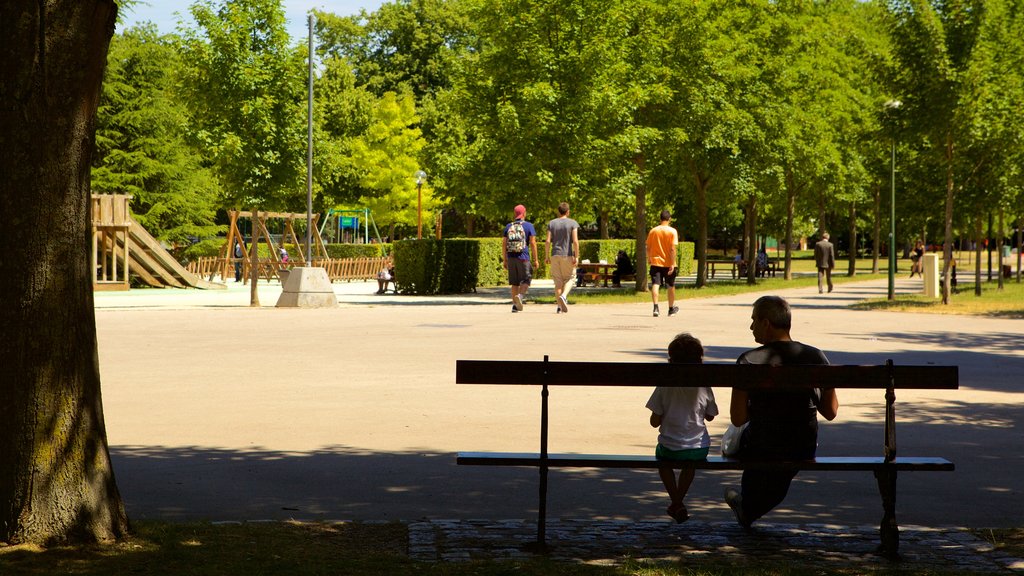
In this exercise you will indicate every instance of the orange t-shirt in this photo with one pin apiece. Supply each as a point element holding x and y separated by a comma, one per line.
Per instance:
<point>661,243</point>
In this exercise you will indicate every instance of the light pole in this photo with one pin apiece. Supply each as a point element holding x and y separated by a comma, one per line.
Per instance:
<point>891,106</point>
<point>420,177</point>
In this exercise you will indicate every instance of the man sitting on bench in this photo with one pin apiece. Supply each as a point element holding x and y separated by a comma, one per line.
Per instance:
<point>783,423</point>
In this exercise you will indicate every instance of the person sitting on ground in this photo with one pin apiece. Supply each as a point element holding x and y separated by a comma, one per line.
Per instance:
<point>680,413</point>
<point>623,267</point>
<point>783,422</point>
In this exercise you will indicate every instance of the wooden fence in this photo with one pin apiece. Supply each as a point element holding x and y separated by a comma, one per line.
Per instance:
<point>337,268</point>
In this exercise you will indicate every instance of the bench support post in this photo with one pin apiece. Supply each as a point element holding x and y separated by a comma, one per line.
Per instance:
<point>890,414</point>
<point>889,530</point>
<point>542,505</point>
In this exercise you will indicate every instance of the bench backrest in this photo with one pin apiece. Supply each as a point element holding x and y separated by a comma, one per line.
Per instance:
<point>524,372</point>
<point>546,373</point>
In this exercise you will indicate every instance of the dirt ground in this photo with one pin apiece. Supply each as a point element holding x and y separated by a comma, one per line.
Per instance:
<point>216,410</point>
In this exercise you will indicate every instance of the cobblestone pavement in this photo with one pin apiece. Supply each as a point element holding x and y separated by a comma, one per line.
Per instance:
<point>948,550</point>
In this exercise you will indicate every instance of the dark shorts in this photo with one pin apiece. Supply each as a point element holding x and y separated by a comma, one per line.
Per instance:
<point>519,272</point>
<point>661,277</point>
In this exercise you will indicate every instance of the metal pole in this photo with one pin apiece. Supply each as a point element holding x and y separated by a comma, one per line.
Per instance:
<point>309,153</point>
<point>892,227</point>
<point>419,208</point>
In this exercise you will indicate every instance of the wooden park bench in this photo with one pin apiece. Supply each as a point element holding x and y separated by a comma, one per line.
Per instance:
<point>547,374</point>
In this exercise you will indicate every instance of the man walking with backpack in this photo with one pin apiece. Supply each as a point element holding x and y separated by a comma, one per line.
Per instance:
<point>519,243</point>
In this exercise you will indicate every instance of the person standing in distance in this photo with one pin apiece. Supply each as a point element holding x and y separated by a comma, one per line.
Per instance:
<point>662,242</point>
<point>825,260</point>
<point>783,422</point>
<point>518,243</point>
<point>563,249</point>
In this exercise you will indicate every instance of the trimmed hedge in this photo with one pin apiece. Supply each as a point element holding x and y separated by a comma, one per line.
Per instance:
<point>431,266</point>
<point>357,250</point>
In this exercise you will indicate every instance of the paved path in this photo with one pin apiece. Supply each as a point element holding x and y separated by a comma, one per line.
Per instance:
<point>825,546</point>
<point>221,411</point>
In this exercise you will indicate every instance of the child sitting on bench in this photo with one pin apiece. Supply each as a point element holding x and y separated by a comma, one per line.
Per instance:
<point>680,413</point>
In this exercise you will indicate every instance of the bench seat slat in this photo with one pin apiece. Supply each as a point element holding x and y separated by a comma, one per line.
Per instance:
<point>868,463</point>
<point>650,374</point>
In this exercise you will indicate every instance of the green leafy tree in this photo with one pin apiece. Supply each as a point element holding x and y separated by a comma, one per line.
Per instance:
<point>141,141</point>
<point>343,113</point>
<point>387,154</point>
<point>246,88</point>
<point>935,43</point>
<point>404,45</point>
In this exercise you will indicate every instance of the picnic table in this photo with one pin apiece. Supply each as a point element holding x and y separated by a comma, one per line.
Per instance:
<point>594,271</point>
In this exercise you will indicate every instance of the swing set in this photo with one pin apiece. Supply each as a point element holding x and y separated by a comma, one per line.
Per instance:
<point>269,267</point>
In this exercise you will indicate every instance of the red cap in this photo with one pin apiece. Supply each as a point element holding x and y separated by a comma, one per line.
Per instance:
<point>520,210</point>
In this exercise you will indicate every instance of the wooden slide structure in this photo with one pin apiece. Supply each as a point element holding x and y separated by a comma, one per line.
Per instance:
<point>122,247</point>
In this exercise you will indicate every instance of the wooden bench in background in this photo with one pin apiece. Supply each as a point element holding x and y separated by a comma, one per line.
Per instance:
<point>545,374</point>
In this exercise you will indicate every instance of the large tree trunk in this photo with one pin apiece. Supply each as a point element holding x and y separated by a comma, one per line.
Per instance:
<point>641,227</point>
<point>701,185</point>
<point>56,481</point>
<point>851,269</point>
<point>999,250</point>
<point>947,248</point>
<point>977,259</point>
<point>791,192</point>
<point>876,238</point>
<point>750,248</point>
<point>1020,247</point>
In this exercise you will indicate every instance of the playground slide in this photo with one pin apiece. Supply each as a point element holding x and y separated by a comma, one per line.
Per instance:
<point>156,267</point>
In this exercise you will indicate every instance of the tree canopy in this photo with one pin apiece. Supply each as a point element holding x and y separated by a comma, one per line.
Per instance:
<point>748,119</point>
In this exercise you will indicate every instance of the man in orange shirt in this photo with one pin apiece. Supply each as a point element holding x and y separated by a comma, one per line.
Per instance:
<point>662,241</point>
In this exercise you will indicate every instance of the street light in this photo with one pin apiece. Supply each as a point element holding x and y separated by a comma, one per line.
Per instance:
<point>421,176</point>
<point>892,106</point>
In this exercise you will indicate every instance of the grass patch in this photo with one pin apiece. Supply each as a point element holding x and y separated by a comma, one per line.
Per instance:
<point>713,289</point>
<point>1005,303</point>
<point>1009,541</point>
<point>356,549</point>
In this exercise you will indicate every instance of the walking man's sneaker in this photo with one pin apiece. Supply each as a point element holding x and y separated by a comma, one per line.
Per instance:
<point>656,311</point>
<point>563,304</point>
<point>673,310</point>
<point>517,302</point>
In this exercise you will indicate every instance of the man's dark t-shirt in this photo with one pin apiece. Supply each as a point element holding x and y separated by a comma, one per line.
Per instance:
<point>783,423</point>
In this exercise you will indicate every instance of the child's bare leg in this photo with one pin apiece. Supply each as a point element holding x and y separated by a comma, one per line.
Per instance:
<point>668,478</point>
<point>685,479</point>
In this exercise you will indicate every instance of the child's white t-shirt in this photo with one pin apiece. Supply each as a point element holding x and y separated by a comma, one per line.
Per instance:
<point>683,411</point>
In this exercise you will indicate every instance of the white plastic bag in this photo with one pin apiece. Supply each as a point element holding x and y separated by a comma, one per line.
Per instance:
<point>731,439</point>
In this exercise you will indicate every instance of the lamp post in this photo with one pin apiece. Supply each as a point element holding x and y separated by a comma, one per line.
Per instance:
<point>891,106</point>
<point>421,176</point>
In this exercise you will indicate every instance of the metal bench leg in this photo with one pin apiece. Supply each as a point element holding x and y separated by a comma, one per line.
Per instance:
<point>541,545</point>
<point>889,530</point>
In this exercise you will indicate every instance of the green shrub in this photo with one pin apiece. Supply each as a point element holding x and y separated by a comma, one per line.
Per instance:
<point>357,250</point>
<point>204,248</point>
<point>685,252</point>
<point>431,266</point>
